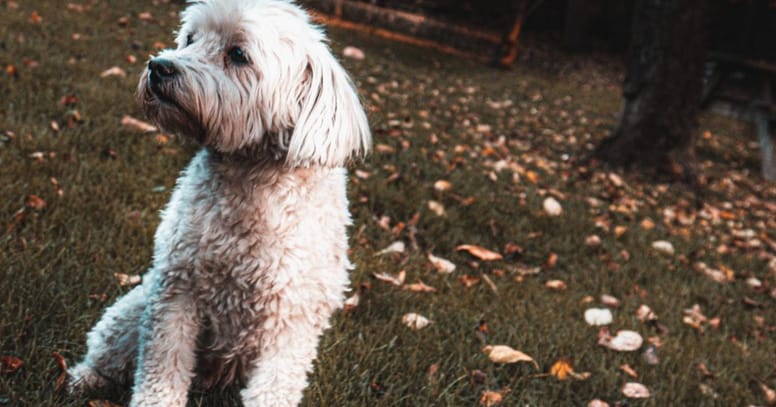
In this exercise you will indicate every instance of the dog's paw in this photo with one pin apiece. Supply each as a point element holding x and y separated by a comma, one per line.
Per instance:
<point>83,379</point>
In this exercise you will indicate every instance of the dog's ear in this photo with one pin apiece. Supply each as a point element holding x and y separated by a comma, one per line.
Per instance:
<point>332,126</point>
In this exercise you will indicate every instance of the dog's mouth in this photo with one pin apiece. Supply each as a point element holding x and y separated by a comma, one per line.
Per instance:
<point>160,95</point>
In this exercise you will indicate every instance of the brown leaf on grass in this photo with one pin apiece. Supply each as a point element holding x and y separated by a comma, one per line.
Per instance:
<point>114,71</point>
<point>441,265</point>
<point>397,280</point>
<point>469,280</point>
<point>768,393</point>
<point>437,208</point>
<point>645,314</point>
<point>647,224</point>
<point>492,398</point>
<point>635,391</point>
<point>415,321</point>
<point>556,284</point>
<point>352,302</point>
<point>127,279</point>
<point>35,202</point>
<point>62,377</point>
<point>35,17</point>
<point>593,241</point>
<point>610,301</point>
<point>563,370</point>
<point>629,371</point>
<point>694,317</point>
<point>552,260</point>
<point>480,252</point>
<point>505,354</point>
<point>443,185</point>
<point>10,364</point>
<point>420,287</point>
<point>395,247</point>
<point>384,149</point>
<point>623,341</point>
<point>552,207</point>
<point>353,53</point>
<point>137,125</point>
<point>145,16</point>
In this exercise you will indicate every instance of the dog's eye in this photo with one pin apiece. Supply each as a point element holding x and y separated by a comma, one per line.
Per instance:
<point>189,39</point>
<point>237,55</point>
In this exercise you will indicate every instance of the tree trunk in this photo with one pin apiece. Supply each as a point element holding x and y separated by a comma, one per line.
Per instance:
<point>662,87</point>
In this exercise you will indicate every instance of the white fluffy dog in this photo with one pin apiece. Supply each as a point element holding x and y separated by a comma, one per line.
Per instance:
<point>250,258</point>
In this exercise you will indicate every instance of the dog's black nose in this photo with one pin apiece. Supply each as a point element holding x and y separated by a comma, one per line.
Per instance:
<point>161,69</point>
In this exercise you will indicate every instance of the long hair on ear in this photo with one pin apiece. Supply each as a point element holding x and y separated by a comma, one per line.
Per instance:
<point>331,127</point>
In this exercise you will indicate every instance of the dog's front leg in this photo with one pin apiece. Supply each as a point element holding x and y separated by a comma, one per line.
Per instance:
<point>167,352</point>
<point>279,375</point>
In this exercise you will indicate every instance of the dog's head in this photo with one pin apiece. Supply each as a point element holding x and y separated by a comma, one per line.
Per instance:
<point>256,76</point>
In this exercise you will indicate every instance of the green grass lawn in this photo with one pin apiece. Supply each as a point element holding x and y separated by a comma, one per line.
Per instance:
<point>504,141</point>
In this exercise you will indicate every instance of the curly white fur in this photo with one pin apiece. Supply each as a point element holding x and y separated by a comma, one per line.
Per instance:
<point>250,258</point>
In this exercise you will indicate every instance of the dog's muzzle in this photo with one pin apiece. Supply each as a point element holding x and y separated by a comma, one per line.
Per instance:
<point>161,73</point>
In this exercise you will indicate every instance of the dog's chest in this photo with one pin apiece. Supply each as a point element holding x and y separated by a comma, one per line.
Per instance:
<point>234,239</point>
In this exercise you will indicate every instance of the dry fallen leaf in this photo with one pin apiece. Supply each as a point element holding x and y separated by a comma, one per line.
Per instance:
<point>645,314</point>
<point>694,317</point>
<point>593,241</point>
<point>10,364</point>
<point>635,390</point>
<point>769,394</point>
<point>556,284</point>
<point>35,202</point>
<point>552,207</point>
<point>62,377</point>
<point>353,53</point>
<point>437,208</point>
<point>623,341</point>
<point>629,370</point>
<point>138,125</point>
<point>663,246</point>
<point>468,280</point>
<point>492,398</point>
<point>397,280</point>
<point>598,316</point>
<point>561,369</point>
<point>480,252</point>
<point>127,279</point>
<point>443,185</point>
<point>415,321</point>
<point>420,287</point>
<point>610,301</point>
<point>441,265</point>
<point>395,247</point>
<point>352,302</point>
<point>505,354</point>
<point>114,71</point>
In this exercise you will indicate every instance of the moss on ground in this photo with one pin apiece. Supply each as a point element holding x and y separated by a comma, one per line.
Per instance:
<point>434,118</point>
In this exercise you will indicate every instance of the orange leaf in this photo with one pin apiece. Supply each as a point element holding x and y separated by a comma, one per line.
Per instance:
<point>10,364</point>
<point>561,369</point>
<point>35,202</point>
<point>480,252</point>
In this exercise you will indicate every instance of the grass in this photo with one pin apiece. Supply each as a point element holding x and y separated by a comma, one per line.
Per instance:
<point>56,262</point>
